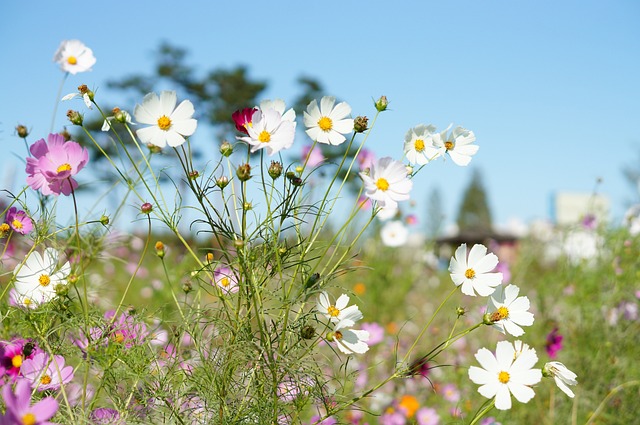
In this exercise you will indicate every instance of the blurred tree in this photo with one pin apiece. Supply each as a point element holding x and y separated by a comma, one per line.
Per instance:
<point>631,173</point>
<point>435,214</point>
<point>474,213</point>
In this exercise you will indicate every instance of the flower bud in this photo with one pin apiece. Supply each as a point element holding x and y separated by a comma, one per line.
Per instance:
<point>75,117</point>
<point>187,287</point>
<point>226,149</point>
<point>330,336</point>
<point>146,208</point>
<point>294,179</point>
<point>244,172</point>
<point>209,257</point>
<point>104,220</point>
<point>222,182</point>
<point>307,332</point>
<point>121,116</point>
<point>487,319</point>
<point>193,175</point>
<point>275,170</point>
<point>61,289</point>
<point>72,279</point>
<point>360,124</point>
<point>22,131</point>
<point>381,104</point>
<point>160,249</point>
<point>247,206</point>
<point>409,170</point>
<point>461,311</point>
<point>83,89</point>
<point>154,148</point>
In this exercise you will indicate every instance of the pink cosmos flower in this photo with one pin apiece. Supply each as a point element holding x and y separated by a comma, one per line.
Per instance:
<point>365,159</point>
<point>53,165</point>
<point>427,416</point>
<point>376,332</point>
<point>554,343</point>
<point>243,119</point>
<point>45,372</point>
<point>13,354</point>
<point>19,409</point>
<point>224,278</point>
<point>126,330</point>
<point>19,221</point>
<point>451,393</point>
<point>104,415</point>
<point>313,157</point>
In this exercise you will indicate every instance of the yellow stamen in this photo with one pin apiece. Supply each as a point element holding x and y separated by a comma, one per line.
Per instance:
<point>45,380</point>
<point>29,419</point>
<point>337,335</point>
<point>470,274</point>
<point>333,311</point>
<point>4,227</point>
<point>16,361</point>
<point>448,145</point>
<point>325,124</point>
<point>72,60</point>
<point>17,224</point>
<point>501,313</point>
<point>64,167</point>
<point>264,137</point>
<point>225,282</point>
<point>419,145</point>
<point>44,279</point>
<point>503,377</point>
<point>26,302</point>
<point>382,184</point>
<point>118,337</point>
<point>164,123</point>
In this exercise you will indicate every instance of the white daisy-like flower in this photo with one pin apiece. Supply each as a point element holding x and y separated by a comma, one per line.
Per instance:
<point>384,214</point>
<point>457,144</point>
<point>394,233</point>
<point>270,129</point>
<point>349,341</point>
<point>85,98</point>
<point>328,123</point>
<point>168,124</point>
<point>279,105</point>
<point>506,373</point>
<point>561,375</point>
<point>474,272</point>
<point>36,279</point>
<point>508,311</point>
<point>418,146</point>
<point>73,57</point>
<point>340,311</point>
<point>387,182</point>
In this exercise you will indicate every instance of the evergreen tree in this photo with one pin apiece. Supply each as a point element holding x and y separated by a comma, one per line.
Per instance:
<point>474,213</point>
<point>435,214</point>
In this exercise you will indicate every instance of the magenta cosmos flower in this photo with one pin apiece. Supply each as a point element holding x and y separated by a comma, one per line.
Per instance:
<point>54,164</point>
<point>13,354</point>
<point>19,409</point>
<point>45,372</point>
<point>243,118</point>
<point>19,221</point>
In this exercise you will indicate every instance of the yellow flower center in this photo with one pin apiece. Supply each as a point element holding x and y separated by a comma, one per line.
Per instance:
<point>382,184</point>
<point>72,60</point>
<point>264,137</point>
<point>503,377</point>
<point>164,123</point>
<point>44,279</point>
<point>17,224</point>
<point>419,145</point>
<point>4,227</point>
<point>448,145</point>
<point>26,302</point>
<point>337,335</point>
<point>64,167</point>
<point>225,282</point>
<point>325,123</point>
<point>501,313</point>
<point>16,361</point>
<point>29,419</point>
<point>333,311</point>
<point>470,274</point>
<point>45,380</point>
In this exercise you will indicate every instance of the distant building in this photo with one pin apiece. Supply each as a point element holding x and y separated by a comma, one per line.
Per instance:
<point>573,207</point>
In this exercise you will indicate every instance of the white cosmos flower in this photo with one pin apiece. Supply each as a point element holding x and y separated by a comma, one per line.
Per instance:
<point>418,146</point>
<point>474,272</point>
<point>270,129</point>
<point>168,124</point>
<point>73,57</point>
<point>561,375</point>
<point>387,182</point>
<point>457,144</point>
<point>394,233</point>
<point>505,374</point>
<point>329,122</point>
<point>36,279</point>
<point>85,97</point>
<point>387,213</point>
<point>348,340</point>
<point>509,311</point>
<point>339,311</point>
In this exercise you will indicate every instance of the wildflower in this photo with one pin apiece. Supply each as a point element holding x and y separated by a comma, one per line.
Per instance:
<point>561,375</point>
<point>394,233</point>
<point>243,119</point>
<point>338,311</point>
<point>427,416</point>
<point>376,332</point>
<point>243,172</point>
<point>224,279</point>
<point>146,208</point>
<point>271,128</point>
<point>13,354</point>
<point>19,221</point>
<point>37,278</point>
<point>53,165</point>
<point>327,123</point>
<point>554,343</point>
<point>168,124</point>
<point>457,144</point>
<point>392,416</point>
<point>506,373</point>
<point>46,373</point>
<point>349,341</point>
<point>451,393</point>
<point>381,104</point>
<point>73,57</point>
<point>510,311</point>
<point>106,416</point>
<point>312,157</point>
<point>365,159</point>
<point>409,405</point>
<point>118,115</point>
<point>418,146</point>
<point>19,409</point>
<point>387,182</point>
<point>473,273</point>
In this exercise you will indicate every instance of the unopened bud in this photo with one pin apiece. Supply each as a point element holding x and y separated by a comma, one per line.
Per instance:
<point>104,220</point>
<point>460,311</point>
<point>22,131</point>
<point>312,281</point>
<point>381,104</point>
<point>153,148</point>
<point>4,230</point>
<point>226,149</point>
<point>294,179</point>
<point>75,117</point>
<point>222,182</point>
<point>275,169</point>
<point>83,89</point>
<point>187,287</point>
<point>244,172</point>
<point>247,206</point>
<point>160,249</point>
<point>193,175</point>
<point>72,279</point>
<point>209,257</point>
<point>61,289</point>
<point>360,124</point>
<point>146,208</point>
<point>307,332</point>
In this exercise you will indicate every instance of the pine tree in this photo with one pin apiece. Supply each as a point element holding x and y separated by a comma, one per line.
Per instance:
<point>474,214</point>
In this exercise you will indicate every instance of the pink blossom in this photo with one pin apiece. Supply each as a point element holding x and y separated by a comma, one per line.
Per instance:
<point>376,332</point>
<point>46,373</point>
<point>13,354</point>
<point>451,393</point>
<point>365,159</point>
<point>243,118</point>
<point>53,165</point>
<point>19,409</point>
<point>19,221</point>
<point>224,278</point>
<point>313,157</point>
<point>427,416</point>
<point>554,343</point>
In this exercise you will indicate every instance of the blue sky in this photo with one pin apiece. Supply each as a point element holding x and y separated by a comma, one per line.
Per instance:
<point>550,88</point>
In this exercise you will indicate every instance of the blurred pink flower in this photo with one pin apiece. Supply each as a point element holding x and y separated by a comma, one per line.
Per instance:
<point>376,332</point>
<point>19,409</point>
<point>427,416</point>
<point>53,165</point>
<point>451,393</point>
<point>554,343</point>
<point>313,157</point>
<point>365,159</point>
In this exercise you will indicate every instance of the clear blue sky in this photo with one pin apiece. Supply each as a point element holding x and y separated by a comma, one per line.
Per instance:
<point>551,88</point>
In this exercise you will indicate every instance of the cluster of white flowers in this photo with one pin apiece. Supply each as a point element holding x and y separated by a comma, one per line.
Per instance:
<point>422,144</point>
<point>342,318</point>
